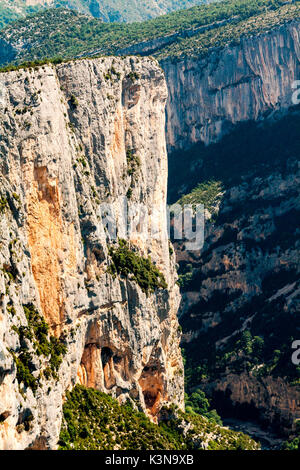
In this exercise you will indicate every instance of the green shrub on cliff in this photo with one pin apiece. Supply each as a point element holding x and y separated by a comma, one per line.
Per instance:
<point>133,162</point>
<point>3,205</point>
<point>25,367</point>
<point>197,404</point>
<point>208,193</point>
<point>294,442</point>
<point>45,345</point>
<point>127,262</point>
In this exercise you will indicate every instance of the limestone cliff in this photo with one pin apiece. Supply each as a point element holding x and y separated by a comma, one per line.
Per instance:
<point>209,96</point>
<point>231,120</point>
<point>66,133</point>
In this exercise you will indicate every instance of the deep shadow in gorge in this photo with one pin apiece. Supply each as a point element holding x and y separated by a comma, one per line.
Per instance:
<point>240,303</point>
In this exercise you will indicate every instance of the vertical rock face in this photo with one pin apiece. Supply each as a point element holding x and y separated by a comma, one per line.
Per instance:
<point>208,96</point>
<point>66,133</point>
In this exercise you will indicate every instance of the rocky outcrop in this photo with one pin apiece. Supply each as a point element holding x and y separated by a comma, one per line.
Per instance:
<point>209,96</point>
<point>65,136</point>
<point>270,400</point>
<point>246,277</point>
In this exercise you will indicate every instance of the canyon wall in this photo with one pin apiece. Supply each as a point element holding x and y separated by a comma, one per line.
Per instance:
<point>230,119</point>
<point>66,135</point>
<point>247,279</point>
<point>209,96</point>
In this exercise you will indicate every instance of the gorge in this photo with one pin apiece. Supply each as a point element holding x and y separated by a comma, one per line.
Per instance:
<point>77,134</point>
<point>81,310</point>
<point>231,121</point>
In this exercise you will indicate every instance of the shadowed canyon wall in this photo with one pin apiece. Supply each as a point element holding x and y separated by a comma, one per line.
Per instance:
<point>230,119</point>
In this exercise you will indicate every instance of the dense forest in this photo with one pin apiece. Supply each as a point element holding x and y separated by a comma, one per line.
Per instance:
<point>66,34</point>
<point>106,10</point>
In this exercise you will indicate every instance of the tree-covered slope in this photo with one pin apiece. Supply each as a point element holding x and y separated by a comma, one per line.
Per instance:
<point>11,10</point>
<point>193,31</point>
<point>106,10</point>
<point>127,10</point>
<point>95,421</point>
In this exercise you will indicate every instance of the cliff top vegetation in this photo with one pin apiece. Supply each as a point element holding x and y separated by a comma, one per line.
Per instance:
<point>195,31</point>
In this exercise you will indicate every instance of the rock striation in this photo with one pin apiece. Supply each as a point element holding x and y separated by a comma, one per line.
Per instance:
<point>66,133</point>
<point>208,96</point>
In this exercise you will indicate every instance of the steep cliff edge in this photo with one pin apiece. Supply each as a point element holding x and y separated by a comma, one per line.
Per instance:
<point>217,58</point>
<point>209,96</point>
<point>66,133</point>
<point>232,84</point>
<point>233,129</point>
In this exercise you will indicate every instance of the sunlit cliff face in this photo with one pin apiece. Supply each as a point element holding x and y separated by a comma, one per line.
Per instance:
<point>60,161</point>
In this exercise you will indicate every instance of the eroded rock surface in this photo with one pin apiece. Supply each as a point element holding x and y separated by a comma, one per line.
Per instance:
<point>209,96</point>
<point>65,133</point>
